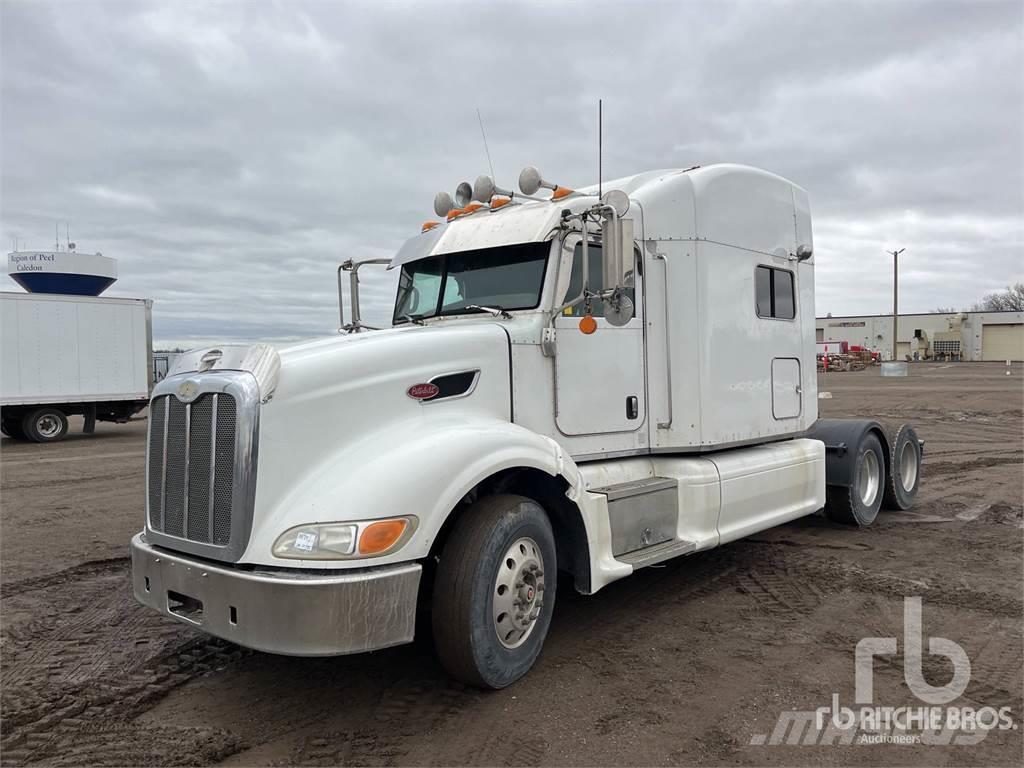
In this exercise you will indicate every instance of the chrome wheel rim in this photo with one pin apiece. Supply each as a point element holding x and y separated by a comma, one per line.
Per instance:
<point>908,465</point>
<point>869,477</point>
<point>518,592</point>
<point>48,425</point>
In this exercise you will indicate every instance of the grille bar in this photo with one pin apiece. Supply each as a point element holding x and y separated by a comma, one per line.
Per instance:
<point>163,467</point>
<point>188,451</point>
<point>213,466</point>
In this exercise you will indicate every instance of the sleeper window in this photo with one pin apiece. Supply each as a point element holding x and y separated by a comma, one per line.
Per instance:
<point>775,293</point>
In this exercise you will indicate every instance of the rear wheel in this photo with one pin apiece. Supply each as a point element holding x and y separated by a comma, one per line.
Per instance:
<point>859,503</point>
<point>494,591</point>
<point>45,425</point>
<point>12,428</point>
<point>904,469</point>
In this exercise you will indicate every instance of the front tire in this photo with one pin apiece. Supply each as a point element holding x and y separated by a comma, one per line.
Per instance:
<point>45,425</point>
<point>494,591</point>
<point>858,503</point>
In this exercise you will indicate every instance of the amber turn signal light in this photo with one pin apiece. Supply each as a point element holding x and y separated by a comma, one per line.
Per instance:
<point>380,536</point>
<point>588,325</point>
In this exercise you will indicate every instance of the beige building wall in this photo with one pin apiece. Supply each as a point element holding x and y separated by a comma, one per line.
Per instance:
<point>1006,332</point>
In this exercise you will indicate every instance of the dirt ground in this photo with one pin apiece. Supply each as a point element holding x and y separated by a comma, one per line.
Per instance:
<point>689,663</point>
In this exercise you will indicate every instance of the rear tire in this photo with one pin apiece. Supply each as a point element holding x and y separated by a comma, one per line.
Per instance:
<point>904,474</point>
<point>858,504</point>
<point>494,591</point>
<point>45,425</point>
<point>12,428</point>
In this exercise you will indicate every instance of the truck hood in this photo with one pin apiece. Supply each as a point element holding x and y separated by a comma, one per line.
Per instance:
<point>334,395</point>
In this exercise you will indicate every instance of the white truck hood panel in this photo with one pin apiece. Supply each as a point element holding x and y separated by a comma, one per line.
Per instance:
<point>338,396</point>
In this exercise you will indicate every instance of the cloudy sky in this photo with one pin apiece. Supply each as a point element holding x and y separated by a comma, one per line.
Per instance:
<point>229,155</point>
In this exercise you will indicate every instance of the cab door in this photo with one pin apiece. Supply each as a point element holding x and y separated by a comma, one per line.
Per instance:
<point>599,377</point>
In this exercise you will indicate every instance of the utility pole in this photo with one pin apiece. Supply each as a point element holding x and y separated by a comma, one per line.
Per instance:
<point>895,295</point>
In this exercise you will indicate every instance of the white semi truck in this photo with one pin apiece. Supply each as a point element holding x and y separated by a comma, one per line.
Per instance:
<point>577,385</point>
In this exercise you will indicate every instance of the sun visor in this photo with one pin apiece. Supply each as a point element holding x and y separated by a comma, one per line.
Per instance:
<point>418,247</point>
<point>528,223</point>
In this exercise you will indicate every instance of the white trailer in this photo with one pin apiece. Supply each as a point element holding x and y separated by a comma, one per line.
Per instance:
<point>576,386</point>
<point>62,355</point>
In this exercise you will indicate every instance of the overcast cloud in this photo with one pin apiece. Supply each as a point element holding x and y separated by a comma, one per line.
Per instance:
<point>229,155</point>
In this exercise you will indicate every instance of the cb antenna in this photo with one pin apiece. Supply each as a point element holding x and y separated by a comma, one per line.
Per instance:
<point>600,121</point>
<point>484,135</point>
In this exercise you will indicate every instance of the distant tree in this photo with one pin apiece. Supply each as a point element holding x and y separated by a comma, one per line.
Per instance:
<point>944,310</point>
<point>1012,299</point>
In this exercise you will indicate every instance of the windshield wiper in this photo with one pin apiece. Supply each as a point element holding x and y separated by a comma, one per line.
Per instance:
<point>496,311</point>
<point>414,319</point>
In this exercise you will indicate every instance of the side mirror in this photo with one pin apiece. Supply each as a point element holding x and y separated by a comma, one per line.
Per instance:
<point>804,252</point>
<point>617,247</point>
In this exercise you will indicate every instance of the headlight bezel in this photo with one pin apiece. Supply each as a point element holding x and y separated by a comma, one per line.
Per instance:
<point>286,546</point>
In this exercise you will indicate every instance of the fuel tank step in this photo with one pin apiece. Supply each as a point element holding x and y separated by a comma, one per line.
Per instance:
<point>641,558</point>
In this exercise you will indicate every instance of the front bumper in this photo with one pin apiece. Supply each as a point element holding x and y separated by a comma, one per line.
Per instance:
<point>297,613</point>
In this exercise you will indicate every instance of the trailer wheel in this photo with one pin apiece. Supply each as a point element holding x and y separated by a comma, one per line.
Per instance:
<point>904,475</point>
<point>494,591</point>
<point>858,503</point>
<point>45,425</point>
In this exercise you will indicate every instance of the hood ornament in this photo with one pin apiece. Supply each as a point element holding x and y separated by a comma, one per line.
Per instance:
<point>209,359</point>
<point>188,390</point>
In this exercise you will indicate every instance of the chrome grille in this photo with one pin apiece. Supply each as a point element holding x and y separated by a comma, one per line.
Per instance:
<point>191,467</point>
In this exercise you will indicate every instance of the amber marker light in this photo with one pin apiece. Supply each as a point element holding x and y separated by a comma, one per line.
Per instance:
<point>429,225</point>
<point>381,536</point>
<point>561,192</point>
<point>588,324</point>
<point>498,202</point>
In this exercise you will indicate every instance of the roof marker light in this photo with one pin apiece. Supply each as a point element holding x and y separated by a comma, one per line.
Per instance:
<point>429,225</point>
<point>498,202</point>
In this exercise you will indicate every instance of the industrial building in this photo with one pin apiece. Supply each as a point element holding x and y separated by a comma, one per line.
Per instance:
<point>972,336</point>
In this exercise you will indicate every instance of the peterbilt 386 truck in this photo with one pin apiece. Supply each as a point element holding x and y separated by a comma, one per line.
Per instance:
<point>577,384</point>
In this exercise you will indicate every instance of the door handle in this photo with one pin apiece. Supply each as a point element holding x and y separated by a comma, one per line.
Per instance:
<point>632,407</point>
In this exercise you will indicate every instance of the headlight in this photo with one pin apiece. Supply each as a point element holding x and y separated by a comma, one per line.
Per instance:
<point>338,541</point>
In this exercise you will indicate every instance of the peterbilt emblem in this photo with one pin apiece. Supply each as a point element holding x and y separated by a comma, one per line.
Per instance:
<point>188,390</point>
<point>422,391</point>
<point>209,359</point>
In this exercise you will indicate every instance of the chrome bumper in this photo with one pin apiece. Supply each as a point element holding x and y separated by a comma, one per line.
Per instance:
<point>279,611</point>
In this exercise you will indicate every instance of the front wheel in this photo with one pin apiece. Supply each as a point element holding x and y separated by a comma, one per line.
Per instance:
<point>494,591</point>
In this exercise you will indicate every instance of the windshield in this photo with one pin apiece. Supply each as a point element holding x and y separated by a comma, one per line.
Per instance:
<point>508,277</point>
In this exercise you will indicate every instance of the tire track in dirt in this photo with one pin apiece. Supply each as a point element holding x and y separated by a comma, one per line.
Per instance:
<point>789,585</point>
<point>407,710</point>
<point>87,662</point>
<point>943,468</point>
<point>75,573</point>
